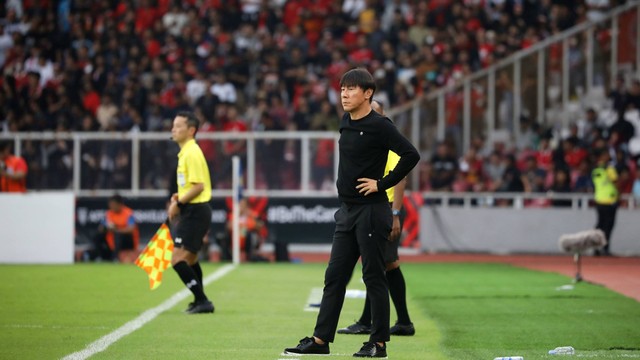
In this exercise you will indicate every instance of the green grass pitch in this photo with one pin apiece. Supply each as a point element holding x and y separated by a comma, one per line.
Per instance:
<point>461,311</point>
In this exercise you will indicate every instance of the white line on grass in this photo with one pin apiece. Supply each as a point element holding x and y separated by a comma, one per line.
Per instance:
<point>104,342</point>
<point>313,302</point>
<point>293,356</point>
<point>35,326</point>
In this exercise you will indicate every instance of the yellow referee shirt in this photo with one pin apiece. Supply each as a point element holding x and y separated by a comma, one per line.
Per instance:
<point>392,161</point>
<point>192,168</point>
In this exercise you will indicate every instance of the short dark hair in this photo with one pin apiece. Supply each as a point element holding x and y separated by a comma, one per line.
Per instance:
<point>117,198</point>
<point>361,78</point>
<point>5,145</point>
<point>192,120</point>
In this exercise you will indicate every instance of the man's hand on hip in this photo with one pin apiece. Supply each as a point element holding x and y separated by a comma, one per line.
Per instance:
<point>367,186</point>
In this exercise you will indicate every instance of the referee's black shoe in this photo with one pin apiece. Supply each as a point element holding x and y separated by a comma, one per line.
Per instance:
<point>372,350</point>
<point>355,329</point>
<point>308,346</point>
<point>200,307</point>
<point>190,306</point>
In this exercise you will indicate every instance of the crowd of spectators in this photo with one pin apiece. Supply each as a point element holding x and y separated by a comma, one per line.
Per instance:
<point>129,65</point>
<point>241,65</point>
<point>548,162</point>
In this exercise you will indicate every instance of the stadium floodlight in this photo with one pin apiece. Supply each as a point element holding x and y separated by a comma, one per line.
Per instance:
<point>580,242</point>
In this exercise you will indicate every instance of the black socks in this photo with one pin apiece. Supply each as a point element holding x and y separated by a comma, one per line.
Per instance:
<point>198,271</point>
<point>398,292</point>
<point>190,279</point>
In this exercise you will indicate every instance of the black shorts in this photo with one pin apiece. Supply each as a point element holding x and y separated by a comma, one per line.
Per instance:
<point>391,252</point>
<point>195,221</point>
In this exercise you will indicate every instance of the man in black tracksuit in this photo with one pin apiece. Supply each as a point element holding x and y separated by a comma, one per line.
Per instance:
<point>364,220</point>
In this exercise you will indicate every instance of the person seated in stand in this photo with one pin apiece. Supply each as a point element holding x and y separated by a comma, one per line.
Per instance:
<point>252,234</point>
<point>118,229</point>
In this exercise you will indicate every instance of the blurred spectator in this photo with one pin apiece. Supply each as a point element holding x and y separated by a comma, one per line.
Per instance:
<point>573,153</point>
<point>6,43</point>
<point>494,170</point>
<point>326,118</point>
<point>583,183</point>
<point>59,160</point>
<point>253,232</point>
<point>106,113</point>
<point>633,97</point>
<point>118,231</point>
<point>13,170</point>
<point>223,90</point>
<point>623,130</point>
<point>197,88</point>
<point>561,184</point>
<point>533,176</point>
<point>230,148</point>
<point>587,125</point>
<point>636,187</point>
<point>444,166</point>
<point>512,180</point>
<point>271,153</point>
<point>618,95</point>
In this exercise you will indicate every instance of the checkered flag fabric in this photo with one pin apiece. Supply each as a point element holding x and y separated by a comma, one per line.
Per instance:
<point>156,257</point>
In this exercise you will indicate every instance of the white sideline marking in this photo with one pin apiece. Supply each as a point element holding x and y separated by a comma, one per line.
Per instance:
<point>315,297</point>
<point>294,356</point>
<point>104,342</point>
<point>313,302</point>
<point>355,294</point>
<point>36,326</point>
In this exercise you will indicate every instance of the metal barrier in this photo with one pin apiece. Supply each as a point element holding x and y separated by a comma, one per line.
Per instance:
<point>519,201</point>
<point>143,164</point>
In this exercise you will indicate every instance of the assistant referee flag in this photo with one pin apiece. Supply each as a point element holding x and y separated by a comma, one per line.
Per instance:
<point>156,256</point>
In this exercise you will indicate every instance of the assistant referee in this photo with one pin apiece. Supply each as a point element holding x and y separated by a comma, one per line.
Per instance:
<point>190,206</point>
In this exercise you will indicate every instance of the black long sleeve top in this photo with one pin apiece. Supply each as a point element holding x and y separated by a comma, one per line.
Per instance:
<point>364,147</point>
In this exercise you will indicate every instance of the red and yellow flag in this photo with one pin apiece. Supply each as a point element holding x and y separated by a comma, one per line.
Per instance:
<point>156,257</point>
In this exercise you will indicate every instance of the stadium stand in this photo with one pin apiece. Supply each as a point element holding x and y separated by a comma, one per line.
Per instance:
<point>274,65</point>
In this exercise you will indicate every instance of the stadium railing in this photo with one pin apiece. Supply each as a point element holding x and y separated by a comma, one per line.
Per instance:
<point>142,165</point>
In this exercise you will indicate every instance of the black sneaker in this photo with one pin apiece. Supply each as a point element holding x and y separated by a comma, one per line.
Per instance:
<point>201,307</point>
<point>402,330</point>
<point>308,346</point>
<point>372,350</point>
<point>355,329</point>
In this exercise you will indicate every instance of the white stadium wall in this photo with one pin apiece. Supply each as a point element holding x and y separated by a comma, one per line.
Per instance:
<point>37,228</point>
<point>508,230</point>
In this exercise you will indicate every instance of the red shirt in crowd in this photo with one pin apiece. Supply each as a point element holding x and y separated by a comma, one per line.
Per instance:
<point>575,157</point>
<point>544,158</point>
<point>230,146</point>
<point>91,101</point>
<point>208,147</point>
